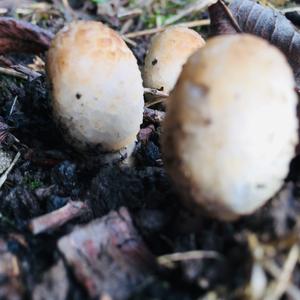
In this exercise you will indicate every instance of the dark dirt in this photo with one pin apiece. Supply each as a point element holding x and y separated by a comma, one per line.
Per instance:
<point>49,173</point>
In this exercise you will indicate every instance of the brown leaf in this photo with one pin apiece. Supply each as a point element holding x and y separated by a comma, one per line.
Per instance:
<point>222,21</point>
<point>19,36</point>
<point>272,26</point>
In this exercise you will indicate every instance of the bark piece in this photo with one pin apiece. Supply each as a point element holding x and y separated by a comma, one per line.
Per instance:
<point>19,36</point>
<point>107,256</point>
<point>10,285</point>
<point>54,285</point>
<point>57,218</point>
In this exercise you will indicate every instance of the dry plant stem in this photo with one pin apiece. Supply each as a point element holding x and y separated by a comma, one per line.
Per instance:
<point>155,92</point>
<point>31,74</point>
<point>222,21</point>
<point>12,72</point>
<point>290,9</point>
<point>126,26</point>
<point>275,271</point>
<point>159,29</point>
<point>283,279</point>
<point>130,14</point>
<point>189,9</point>
<point>169,259</point>
<point>58,217</point>
<point>13,106</point>
<point>155,101</point>
<point>129,41</point>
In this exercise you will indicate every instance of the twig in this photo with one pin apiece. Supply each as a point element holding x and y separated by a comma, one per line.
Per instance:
<point>275,271</point>
<point>191,24</point>
<point>31,74</point>
<point>5,174</point>
<point>129,14</point>
<point>283,279</point>
<point>155,92</point>
<point>189,9</point>
<point>58,217</point>
<point>290,9</point>
<point>129,41</point>
<point>126,26</point>
<point>12,72</point>
<point>155,101</point>
<point>13,106</point>
<point>169,259</point>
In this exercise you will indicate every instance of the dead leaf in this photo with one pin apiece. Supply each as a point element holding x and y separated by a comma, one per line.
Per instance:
<point>222,21</point>
<point>271,25</point>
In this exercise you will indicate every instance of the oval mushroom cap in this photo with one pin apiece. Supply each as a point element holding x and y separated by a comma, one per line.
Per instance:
<point>96,87</point>
<point>168,52</point>
<point>231,127</point>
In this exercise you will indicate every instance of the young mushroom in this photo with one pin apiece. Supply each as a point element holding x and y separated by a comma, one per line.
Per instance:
<point>168,52</point>
<point>231,128</point>
<point>96,89</point>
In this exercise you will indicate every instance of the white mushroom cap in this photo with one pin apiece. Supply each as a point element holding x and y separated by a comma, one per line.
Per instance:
<point>96,87</point>
<point>231,126</point>
<point>168,52</point>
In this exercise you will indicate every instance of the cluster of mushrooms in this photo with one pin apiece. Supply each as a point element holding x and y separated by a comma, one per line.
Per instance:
<point>230,129</point>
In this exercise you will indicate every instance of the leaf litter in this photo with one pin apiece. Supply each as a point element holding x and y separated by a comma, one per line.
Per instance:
<point>108,251</point>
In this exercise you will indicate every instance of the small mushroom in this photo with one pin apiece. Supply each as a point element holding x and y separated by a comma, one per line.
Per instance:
<point>168,52</point>
<point>96,88</point>
<point>231,128</point>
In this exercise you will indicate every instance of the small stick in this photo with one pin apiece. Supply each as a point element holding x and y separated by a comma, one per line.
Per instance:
<point>183,256</point>
<point>290,9</point>
<point>57,218</point>
<point>31,74</point>
<point>13,106</point>
<point>126,26</point>
<point>283,279</point>
<point>155,92</point>
<point>155,101</point>
<point>129,41</point>
<point>275,271</point>
<point>189,9</point>
<point>12,72</point>
<point>130,14</point>
<point>191,24</point>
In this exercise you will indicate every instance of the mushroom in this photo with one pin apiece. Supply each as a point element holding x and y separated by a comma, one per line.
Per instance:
<point>96,89</point>
<point>168,52</point>
<point>231,128</point>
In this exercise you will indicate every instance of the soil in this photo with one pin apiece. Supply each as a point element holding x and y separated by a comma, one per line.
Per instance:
<point>50,173</point>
